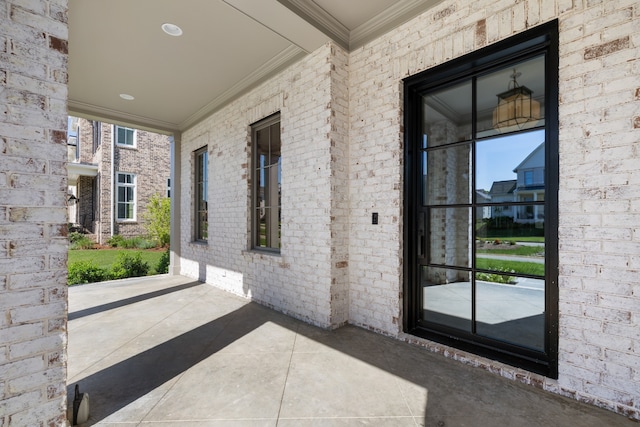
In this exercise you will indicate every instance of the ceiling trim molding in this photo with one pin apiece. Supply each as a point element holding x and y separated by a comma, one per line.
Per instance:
<point>95,112</point>
<point>401,12</point>
<point>274,65</point>
<point>392,17</point>
<point>320,19</point>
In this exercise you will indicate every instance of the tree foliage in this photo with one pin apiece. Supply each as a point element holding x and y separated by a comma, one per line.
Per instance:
<point>158,219</point>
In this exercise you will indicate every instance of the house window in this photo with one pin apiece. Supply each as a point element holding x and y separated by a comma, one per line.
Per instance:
<point>267,172</point>
<point>528,178</point>
<point>126,196</point>
<point>125,136</point>
<point>73,139</point>
<point>96,135</point>
<point>201,182</point>
<point>486,121</point>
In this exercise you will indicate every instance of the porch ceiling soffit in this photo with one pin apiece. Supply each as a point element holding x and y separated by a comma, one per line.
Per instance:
<point>228,47</point>
<point>76,170</point>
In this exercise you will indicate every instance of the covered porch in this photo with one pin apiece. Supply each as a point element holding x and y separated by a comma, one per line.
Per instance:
<point>168,350</point>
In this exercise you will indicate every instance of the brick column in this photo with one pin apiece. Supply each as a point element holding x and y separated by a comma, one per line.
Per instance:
<point>33,230</point>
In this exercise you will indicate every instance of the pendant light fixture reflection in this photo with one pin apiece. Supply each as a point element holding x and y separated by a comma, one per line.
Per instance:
<point>516,108</point>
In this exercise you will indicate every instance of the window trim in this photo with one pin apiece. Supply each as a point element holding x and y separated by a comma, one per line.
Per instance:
<point>134,143</point>
<point>539,40</point>
<point>254,235</point>
<point>134,185</point>
<point>197,232</point>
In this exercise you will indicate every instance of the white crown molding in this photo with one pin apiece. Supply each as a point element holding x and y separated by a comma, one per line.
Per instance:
<point>285,58</point>
<point>320,19</point>
<point>399,13</point>
<point>95,112</point>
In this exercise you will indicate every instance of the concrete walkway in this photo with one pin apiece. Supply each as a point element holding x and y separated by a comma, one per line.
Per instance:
<point>169,351</point>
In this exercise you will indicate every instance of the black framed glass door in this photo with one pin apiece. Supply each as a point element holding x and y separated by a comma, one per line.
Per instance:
<point>481,202</point>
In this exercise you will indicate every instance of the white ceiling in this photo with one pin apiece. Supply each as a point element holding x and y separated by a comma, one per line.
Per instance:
<point>228,46</point>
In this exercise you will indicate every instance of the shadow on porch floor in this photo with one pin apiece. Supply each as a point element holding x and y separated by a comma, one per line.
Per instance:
<point>170,351</point>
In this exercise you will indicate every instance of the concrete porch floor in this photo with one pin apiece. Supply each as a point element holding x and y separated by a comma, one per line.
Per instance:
<point>170,351</point>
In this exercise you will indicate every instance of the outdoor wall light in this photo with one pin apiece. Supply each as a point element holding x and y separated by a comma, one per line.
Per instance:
<point>72,200</point>
<point>515,107</point>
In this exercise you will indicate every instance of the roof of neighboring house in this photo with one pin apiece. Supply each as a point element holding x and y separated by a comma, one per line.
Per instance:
<point>484,194</point>
<point>502,187</point>
<point>530,156</point>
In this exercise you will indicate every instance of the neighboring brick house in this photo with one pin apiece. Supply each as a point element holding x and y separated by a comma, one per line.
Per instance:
<point>113,171</point>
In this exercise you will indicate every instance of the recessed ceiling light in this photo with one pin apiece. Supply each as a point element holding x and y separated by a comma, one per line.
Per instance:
<point>126,96</point>
<point>172,29</point>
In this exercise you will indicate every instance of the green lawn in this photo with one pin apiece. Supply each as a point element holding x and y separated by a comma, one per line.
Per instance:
<point>104,258</point>
<point>516,250</point>
<point>536,239</point>
<point>517,266</point>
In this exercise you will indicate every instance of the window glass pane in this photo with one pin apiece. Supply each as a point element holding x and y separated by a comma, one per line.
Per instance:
<point>502,163</point>
<point>447,175</point>
<point>450,236</point>
<point>508,105</point>
<point>446,297</point>
<point>268,175</point>
<point>447,115</point>
<point>121,210</point>
<point>507,244</point>
<point>201,194</point>
<point>513,313</point>
<point>262,228</point>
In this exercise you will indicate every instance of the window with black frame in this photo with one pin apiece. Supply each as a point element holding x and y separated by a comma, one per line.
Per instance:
<point>201,183</point>
<point>482,221</point>
<point>267,174</point>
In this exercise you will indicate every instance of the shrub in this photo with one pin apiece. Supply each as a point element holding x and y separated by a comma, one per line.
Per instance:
<point>115,241</point>
<point>137,242</point>
<point>163,263</point>
<point>497,277</point>
<point>142,243</point>
<point>129,265</point>
<point>158,219</point>
<point>79,241</point>
<point>85,272</point>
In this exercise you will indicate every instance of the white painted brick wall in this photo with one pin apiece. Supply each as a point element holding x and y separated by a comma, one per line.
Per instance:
<point>298,281</point>
<point>328,202</point>
<point>33,243</point>
<point>599,134</point>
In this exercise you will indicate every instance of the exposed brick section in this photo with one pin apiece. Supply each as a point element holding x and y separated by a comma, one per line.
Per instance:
<point>481,33</point>
<point>60,45</point>
<point>33,254</point>
<point>606,48</point>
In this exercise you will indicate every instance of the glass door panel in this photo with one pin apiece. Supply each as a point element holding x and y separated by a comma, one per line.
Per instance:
<point>450,237</point>
<point>447,115</point>
<point>446,297</point>
<point>452,187</point>
<point>513,313</point>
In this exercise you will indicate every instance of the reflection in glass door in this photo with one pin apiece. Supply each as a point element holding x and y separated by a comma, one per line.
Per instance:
<point>482,271</point>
